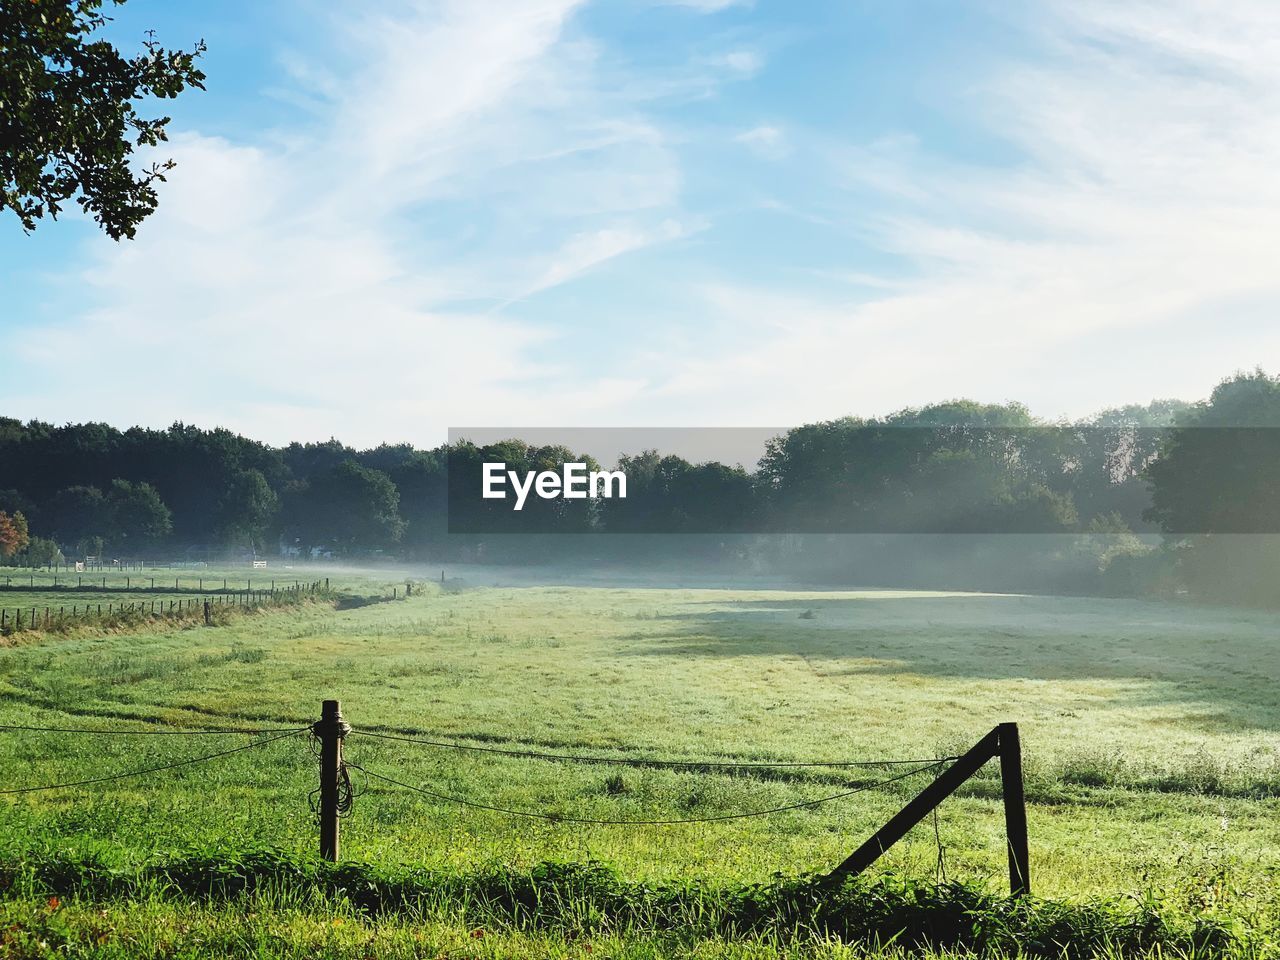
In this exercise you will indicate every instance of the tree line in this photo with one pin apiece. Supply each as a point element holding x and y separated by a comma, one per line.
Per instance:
<point>1116,480</point>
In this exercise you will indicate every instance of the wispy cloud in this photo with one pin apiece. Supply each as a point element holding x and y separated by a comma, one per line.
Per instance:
<point>765,140</point>
<point>294,287</point>
<point>704,6</point>
<point>382,266</point>
<point>1130,245</point>
<point>586,250</point>
<point>741,61</point>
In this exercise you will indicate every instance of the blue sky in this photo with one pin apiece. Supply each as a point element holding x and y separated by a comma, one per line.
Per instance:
<point>393,218</point>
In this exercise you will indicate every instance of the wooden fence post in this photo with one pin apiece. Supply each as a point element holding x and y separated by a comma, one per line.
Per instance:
<point>1015,809</point>
<point>330,730</point>
<point>208,620</point>
<point>1002,743</point>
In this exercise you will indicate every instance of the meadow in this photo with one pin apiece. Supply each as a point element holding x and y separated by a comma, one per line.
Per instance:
<point>1149,734</point>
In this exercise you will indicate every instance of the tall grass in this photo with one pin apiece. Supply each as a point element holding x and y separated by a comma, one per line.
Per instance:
<point>580,900</point>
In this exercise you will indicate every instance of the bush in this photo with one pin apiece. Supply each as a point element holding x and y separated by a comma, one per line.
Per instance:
<point>41,553</point>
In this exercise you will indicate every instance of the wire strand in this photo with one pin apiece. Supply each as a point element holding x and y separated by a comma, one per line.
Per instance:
<point>556,818</point>
<point>940,872</point>
<point>143,733</point>
<point>643,762</point>
<point>156,769</point>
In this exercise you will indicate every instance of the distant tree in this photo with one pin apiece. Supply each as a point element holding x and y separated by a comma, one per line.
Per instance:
<point>13,534</point>
<point>952,467</point>
<point>668,494</point>
<point>200,474</point>
<point>312,459</point>
<point>422,482</point>
<point>350,507</point>
<point>90,547</point>
<point>13,501</point>
<point>138,517</point>
<point>68,117</point>
<point>963,413</point>
<point>1220,469</point>
<point>41,552</point>
<point>1215,489</point>
<point>76,513</point>
<point>247,508</point>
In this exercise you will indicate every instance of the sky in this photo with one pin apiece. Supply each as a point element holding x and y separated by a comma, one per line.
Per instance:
<point>394,218</point>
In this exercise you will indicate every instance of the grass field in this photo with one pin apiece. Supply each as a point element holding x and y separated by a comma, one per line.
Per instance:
<point>1149,733</point>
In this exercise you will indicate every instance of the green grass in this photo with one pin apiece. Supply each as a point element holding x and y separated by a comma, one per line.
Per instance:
<point>590,901</point>
<point>1149,733</point>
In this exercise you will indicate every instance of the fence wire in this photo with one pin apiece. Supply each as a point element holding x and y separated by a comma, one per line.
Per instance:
<point>646,761</point>
<point>557,818</point>
<point>158,768</point>
<point>146,733</point>
<point>348,792</point>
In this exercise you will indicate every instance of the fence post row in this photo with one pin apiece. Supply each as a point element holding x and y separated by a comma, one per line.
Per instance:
<point>249,598</point>
<point>1001,742</point>
<point>330,730</point>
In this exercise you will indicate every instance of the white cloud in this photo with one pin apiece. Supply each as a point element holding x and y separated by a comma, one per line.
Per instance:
<point>765,140</point>
<point>704,6</point>
<point>741,61</point>
<point>293,288</point>
<point>586,250</point>
<point>1129,255</point>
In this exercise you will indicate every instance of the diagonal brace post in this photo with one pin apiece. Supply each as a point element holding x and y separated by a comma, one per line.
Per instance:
<point>1001,742</point>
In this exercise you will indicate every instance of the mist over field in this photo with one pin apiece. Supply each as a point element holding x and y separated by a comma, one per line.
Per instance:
<point>1165,500</point>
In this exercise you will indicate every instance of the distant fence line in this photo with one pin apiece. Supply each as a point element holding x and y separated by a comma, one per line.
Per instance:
<point>99,565</point>
<point>201,585</point>
<point>94,565</point>
<point>14,619</point>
